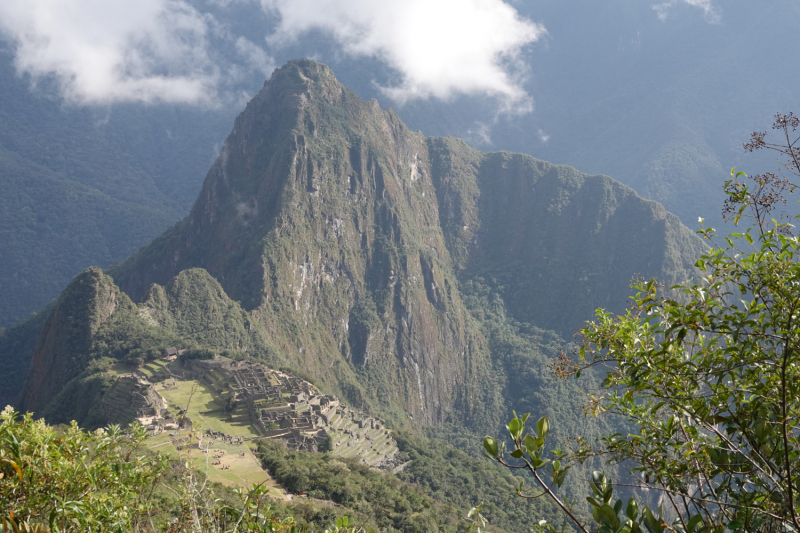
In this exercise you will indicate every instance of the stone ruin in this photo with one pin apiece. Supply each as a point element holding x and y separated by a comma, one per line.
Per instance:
<point>131,397</point>
<point>299,440</point>
<point>280,405</point>
<point>285,406</point>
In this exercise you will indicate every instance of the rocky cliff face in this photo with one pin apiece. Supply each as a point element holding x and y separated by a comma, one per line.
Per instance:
<point>557,243</point>
<point>330,238</point>
<point>320,217</point>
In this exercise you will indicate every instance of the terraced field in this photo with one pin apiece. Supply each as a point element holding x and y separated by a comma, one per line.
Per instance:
<point>206,413</point>
<point>348,440</point>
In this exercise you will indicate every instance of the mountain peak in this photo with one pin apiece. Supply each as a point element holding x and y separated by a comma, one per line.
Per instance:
<point>346,244</point>
<point>301,80</point>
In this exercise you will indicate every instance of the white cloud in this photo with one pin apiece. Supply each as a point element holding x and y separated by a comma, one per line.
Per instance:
<point>544,137</point>
<point>710,11</point>
<point>255,56</point>
<point>106,51</point>
<point>440,47</point>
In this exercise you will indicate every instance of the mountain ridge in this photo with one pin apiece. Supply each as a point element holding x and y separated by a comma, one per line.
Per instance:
<point>340,242</point>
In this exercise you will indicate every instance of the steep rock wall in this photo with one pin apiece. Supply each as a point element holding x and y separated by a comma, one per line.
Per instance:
<point>318,217</point>
<point>556,242</point>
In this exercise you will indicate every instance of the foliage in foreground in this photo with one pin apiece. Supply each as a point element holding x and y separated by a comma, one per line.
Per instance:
<point>65,479</point>
<point>71,479</point>
<point>707,374</point>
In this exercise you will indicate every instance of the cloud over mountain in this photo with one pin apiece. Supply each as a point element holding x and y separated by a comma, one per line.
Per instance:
<point>105,51</point>
<point>108,51</point>
<point>440,47</point>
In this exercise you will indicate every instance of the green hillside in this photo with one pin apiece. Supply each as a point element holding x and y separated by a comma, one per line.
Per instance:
<point>87,186</point>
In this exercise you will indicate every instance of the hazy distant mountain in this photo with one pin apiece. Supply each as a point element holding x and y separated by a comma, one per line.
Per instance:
<point>660,105</point>
<point>410,275</point>
<point>88,186</point>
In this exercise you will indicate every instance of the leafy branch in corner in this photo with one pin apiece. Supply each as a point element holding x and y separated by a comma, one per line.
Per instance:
<point>707,375</point>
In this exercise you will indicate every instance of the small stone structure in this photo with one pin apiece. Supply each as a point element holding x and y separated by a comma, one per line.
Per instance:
<point>171,353</point>
<point>130,397</point>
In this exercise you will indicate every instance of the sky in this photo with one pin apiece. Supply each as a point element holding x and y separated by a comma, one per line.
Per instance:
<point>101,52</point>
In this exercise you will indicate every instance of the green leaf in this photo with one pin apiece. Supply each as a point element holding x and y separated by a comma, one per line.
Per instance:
<point>543,427</point>
<point>693,521</point>
<point>490,445</point>
<point>538,463</point>
<point>515,427</point>
<point>530,443</point>
<point>733,525</point>
<point>562,475</point>
<point>618,507</point>
<point>596,514</point>
<point>608,516</point>
<point>516,454</point>
<point>653,524</point>
<point>632,510</point>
